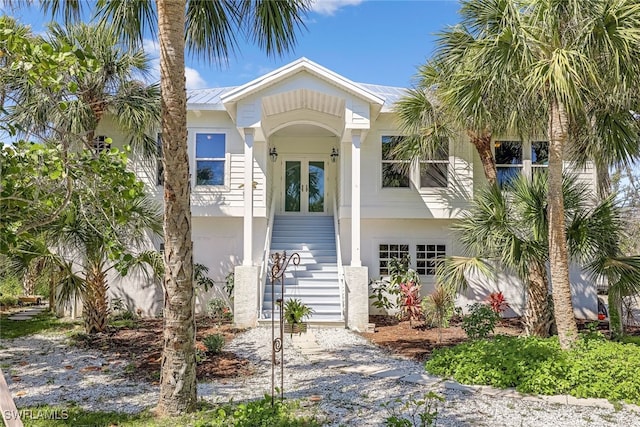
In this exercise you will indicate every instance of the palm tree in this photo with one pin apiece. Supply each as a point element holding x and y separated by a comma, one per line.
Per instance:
<point>510,228</point>
<point>115,89</point>
<point>211,28</point>
<point>558,56</point>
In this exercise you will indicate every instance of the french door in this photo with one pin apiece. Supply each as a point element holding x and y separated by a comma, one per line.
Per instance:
<point>304,186</point>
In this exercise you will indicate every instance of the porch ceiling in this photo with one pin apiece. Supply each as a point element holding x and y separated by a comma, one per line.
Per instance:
<point>303,106</point>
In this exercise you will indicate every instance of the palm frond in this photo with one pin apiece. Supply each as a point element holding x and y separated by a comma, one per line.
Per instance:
<point>453,272</point>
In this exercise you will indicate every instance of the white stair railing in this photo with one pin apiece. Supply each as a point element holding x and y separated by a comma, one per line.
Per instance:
<point>264,267</point>
<point>336,227</point>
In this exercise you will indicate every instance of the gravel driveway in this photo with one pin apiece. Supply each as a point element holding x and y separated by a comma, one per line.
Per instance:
<point>352,378</point>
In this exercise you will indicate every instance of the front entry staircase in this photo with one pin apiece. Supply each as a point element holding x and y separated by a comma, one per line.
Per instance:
<point>315,280</point>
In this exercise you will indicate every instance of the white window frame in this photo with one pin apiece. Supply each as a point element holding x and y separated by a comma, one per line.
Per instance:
<point>225,159</point>
<point>389,243</point>
<point>100,143</point>
<point>445,162</point>
<point>435,260</point>
<point>520,166</point>
<point>541,166</point>
<point>384,161</point>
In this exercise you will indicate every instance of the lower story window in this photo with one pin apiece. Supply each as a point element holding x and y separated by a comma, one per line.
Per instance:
<point>428,257</point>
<point>388,252</point>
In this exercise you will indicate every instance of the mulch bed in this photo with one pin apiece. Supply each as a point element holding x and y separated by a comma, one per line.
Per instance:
<point>141,347</point>
<point>417,340</point>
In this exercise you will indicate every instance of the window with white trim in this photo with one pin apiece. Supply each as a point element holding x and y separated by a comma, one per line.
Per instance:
<point>101,143</point>
<point>428,257</point>
<point>395,173</point>
<point>159,164</point>
<point>210,158</point>
<point>434,171</point>
<point>539,156</point>
<point>509,164</point>
<point>389,251</point>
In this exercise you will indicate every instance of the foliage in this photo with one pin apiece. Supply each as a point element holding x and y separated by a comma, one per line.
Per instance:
<point>200,277</point>
<point>601,369</point>
<point>410,411</point>
<point>410,301</point>
<point>295,311</point>
<point>218,310</point>
<point>214,343</point>
<point>8,301</point>
<point>497,302</point>
<point>258,413</point>
<point>480,322</point>
<point>439,307</point>
<point>229,285</point>
<point>399,291</point>
<point>43,322</point>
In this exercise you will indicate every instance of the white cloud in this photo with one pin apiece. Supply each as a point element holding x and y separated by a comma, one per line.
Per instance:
<point>194,79</point>
<point>329,7</point>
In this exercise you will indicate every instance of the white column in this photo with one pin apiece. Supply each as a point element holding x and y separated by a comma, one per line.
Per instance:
<point>247,251</point>
<point>355,198</point>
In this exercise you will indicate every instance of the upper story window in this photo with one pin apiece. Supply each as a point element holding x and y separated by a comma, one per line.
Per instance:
<point>395,173</point>
<point>508,160</point>
<point>434,171</point>
<point>159,164</point>
<point>539,156</point>
<point>210,158</point>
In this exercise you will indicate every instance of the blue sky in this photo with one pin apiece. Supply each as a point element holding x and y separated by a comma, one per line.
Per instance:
<point>367,41</point>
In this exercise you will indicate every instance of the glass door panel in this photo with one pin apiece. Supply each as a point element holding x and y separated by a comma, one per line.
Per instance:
<point>316,186</point>
<point>292,185</point>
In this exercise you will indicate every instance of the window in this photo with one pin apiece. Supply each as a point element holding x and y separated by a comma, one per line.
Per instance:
<point>395,173</point>
<point>428,257</point>
<point>508,160</point>
<point>539,156</point>
<point>387,252</point>
<point>101,143</point>
<point>433,172</point>
<point>210,158</point>
<point>159,164</point>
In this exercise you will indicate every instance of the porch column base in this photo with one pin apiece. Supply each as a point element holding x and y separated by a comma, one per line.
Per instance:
<point>357,297</point>
<point>246,294</point>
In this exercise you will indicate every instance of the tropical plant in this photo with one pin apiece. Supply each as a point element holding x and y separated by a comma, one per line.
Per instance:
<point>214,343</point>
<point>480,322</point>
<point>295,311</point>
<point>113,89</point>
<point>439,307</point>
<point>497,302</point>
<point>218,310</point>
<point>410,301</point>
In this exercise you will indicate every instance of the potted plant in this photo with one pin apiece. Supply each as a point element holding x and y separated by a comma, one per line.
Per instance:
<point>294,314</point>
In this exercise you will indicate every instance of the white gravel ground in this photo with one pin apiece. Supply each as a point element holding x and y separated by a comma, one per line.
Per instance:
<point>42,369</point>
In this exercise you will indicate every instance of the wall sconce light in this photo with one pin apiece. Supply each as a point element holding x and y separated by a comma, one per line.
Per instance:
<point>334,155</point>
<point>274,154</point>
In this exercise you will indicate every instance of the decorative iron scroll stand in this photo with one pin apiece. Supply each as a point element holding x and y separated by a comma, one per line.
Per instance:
<point>278,268</point>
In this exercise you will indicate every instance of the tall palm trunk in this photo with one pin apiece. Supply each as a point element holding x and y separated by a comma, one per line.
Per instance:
<point>538,316</point>
<point>95,309</point>
<point>178,373</point>
<point>482,143</point>
<point>558,255</point>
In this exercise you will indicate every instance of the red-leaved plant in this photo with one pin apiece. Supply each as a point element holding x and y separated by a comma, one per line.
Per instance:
<point>410,301</point>
<point>497,302</point>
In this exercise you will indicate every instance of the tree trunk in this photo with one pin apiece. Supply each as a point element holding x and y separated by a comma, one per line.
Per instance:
<point>558,255</point>
<point>538,316</point>
<point>178,392</point>
<point>483,147</point>
<point>95,309</point>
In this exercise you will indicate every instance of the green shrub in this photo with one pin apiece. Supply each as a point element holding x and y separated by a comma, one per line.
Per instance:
<point>594,368</point>
<point>8,300</point>
<point>214,343</point>
<point>218,310</point>
<point>480,322</point>
<point>409,411</point>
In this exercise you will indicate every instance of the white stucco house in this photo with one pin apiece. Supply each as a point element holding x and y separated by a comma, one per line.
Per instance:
<point>297,161</point>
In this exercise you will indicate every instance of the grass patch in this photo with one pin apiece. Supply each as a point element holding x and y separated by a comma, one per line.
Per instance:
<point>594,368</point>
<point>43,322</point>
<point>257,413</point>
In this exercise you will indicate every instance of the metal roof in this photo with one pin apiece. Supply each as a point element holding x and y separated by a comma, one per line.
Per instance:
<point>211,98</point>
